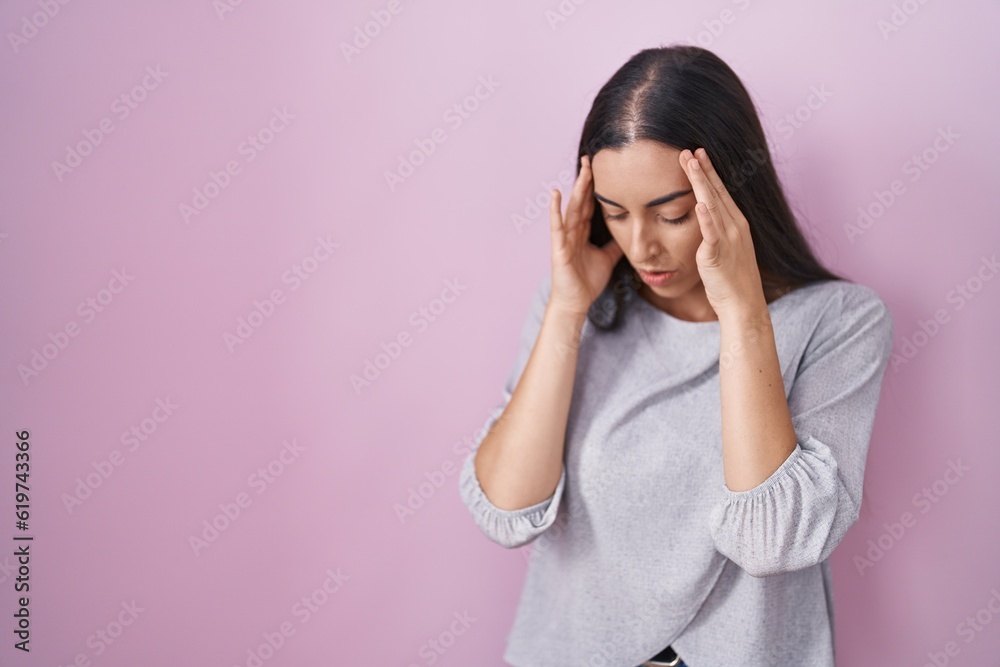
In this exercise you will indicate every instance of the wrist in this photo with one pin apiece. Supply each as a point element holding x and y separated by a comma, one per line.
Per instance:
<point>747,316</point>
<point>566,316</point>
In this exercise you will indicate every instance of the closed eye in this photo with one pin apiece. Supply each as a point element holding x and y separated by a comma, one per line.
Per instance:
<point>673,221</point>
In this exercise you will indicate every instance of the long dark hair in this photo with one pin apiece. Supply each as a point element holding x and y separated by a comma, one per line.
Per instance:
<point>685,96</point>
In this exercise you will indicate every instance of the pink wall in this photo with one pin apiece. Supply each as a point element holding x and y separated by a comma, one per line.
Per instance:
<point>137,305</point>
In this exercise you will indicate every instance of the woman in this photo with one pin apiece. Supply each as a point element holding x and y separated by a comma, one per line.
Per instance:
<point>684,430</point>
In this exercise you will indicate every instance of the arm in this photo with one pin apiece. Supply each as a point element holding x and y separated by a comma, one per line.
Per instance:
<point>513,478</point>
<point>795,493</point>
<point>757,432</point>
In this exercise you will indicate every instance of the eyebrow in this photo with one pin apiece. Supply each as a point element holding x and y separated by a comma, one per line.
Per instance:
<point>656,202</point>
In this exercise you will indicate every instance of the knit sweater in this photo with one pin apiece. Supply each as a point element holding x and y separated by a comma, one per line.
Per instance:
<point>642,544</point>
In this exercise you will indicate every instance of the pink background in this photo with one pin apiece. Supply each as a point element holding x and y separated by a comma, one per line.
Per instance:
<point>400,585</point>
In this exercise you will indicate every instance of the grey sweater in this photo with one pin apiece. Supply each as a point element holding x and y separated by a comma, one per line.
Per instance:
<point>642,544</point>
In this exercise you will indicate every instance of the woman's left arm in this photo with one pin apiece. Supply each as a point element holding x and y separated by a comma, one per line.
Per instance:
<point>793,467</point>
<point>797,515</point>
<point>757,432</point>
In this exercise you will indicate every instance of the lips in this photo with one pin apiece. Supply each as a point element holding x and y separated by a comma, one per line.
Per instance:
<point>656,279</point>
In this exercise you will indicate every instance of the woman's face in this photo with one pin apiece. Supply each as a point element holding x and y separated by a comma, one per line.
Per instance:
<point>641,189</point>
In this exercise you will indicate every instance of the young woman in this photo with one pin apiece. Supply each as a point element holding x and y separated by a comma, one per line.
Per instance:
<point>684,430</point>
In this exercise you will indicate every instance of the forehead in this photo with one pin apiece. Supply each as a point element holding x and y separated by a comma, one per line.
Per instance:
<point>643,170</point>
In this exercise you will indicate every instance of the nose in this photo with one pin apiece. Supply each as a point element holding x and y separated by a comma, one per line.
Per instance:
<point>643,240</point>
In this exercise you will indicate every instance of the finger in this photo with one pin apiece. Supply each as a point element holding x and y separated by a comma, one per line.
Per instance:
<point>555,208</point>
<point>717,185</point>
<point>709,231</point>
<point>588,200</point>
<point>556,221</point>
<point>576,198</point>
<point>705,193</point>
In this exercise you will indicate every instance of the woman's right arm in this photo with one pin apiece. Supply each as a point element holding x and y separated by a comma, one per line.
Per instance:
<point>519,462</point>
<point>514,476</point>
<point>518,526</point>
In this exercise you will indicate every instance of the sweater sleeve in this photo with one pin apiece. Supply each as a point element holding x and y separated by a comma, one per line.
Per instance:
<point>797,516</point>
<point>511,528</point>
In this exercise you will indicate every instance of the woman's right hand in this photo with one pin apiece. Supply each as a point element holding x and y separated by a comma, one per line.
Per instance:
<point>580,270</point>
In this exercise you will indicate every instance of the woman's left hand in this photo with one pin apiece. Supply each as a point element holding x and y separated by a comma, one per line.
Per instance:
<point>726,259</point>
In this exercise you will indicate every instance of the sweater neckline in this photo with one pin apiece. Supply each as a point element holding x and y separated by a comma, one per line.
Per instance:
<point>709,326</point>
